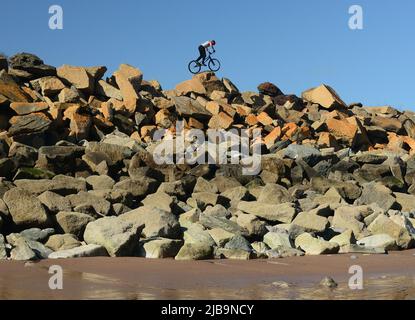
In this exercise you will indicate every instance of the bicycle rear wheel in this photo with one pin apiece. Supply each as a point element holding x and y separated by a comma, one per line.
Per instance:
<point>214,65</point>
<point>194,67</point>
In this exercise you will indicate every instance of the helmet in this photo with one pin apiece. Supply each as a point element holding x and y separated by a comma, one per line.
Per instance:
<point>213,42</point>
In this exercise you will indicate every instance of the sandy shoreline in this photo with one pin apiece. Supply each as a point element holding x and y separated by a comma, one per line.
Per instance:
<point>388,276</point>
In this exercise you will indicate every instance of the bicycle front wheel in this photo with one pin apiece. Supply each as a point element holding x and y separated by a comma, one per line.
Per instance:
<point>194,67</point>
<point>214,65</point>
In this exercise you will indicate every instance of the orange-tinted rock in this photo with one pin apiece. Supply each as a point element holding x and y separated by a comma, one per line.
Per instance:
<point>251,120</point>
<point>163,103</point>
<point>230,86</point>
<point>399,143</point>
<point>80,125</point>
<point>335,114</point>
<point>107,111</point>
<point>220,121</point>
<point>193,123</point>
<point>136,136</point>
<point>326,140</point>
<point>32,93</point>
<point>395,142</point>
<point>68,95</point>
<point>147,131</point>
<point>309,141</point>
<point>188,86</point>
<point>10,90</point>
<point>264,119</point>
<point>381,109</point>
<point>389,124</point>
<point>289,130</point>
<point>378,146</point>
<point>70,110</point>
<point>56,111</point>
<point>129,81</point>
<point>50,85</point>
<point>101,122</point>
<point>186,106</point>
<point>77,76</point>
<point>305,132</point>
<point>218,96</point>
<point>342,130</point>
<point>325,96</point>
<point>3,100</point>
<point>411,143</point>
<point>228,109</point>
<point>96,72</point>
<point>213,107</point>
<point>94,102</point>
<point>242,110</point>
<point>202,101</point>
<point>409,126</point>
<point>362,140</point>
<point>22,108</point>
<point>105,89</point>
<point>272,137</point>
<point>164,119</point>
<point>210,82</point>
<point>116,105</point>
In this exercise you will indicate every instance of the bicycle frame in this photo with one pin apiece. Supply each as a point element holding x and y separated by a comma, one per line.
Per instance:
<point>209,56</point>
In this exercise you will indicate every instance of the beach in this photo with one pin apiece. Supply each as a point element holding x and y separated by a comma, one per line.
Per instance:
<point>389,276</point>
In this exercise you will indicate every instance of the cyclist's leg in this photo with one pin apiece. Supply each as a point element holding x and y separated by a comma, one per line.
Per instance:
<point>202,54</point>
<point>204,57</point>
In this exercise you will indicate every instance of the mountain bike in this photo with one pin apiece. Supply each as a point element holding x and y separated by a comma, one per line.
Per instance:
<point>212,63</point>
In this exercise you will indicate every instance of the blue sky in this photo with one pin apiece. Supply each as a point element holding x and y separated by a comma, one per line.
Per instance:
<point>296,44</point>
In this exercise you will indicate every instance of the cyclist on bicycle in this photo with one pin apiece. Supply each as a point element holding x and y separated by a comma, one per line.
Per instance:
<point>203,48</point>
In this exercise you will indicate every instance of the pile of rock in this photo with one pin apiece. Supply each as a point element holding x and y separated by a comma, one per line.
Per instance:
<point>79,178</point>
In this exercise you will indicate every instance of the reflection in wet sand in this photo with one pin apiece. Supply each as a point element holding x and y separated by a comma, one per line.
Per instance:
<point>400,288</point>
<point>386,277</point>
<point>94,286</point>
<point>396,288</point>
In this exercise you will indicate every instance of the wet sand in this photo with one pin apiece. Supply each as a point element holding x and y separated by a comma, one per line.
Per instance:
<point>385,277</point>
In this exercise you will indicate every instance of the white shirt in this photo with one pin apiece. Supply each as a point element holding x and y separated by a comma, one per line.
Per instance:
<point>206,44</point>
